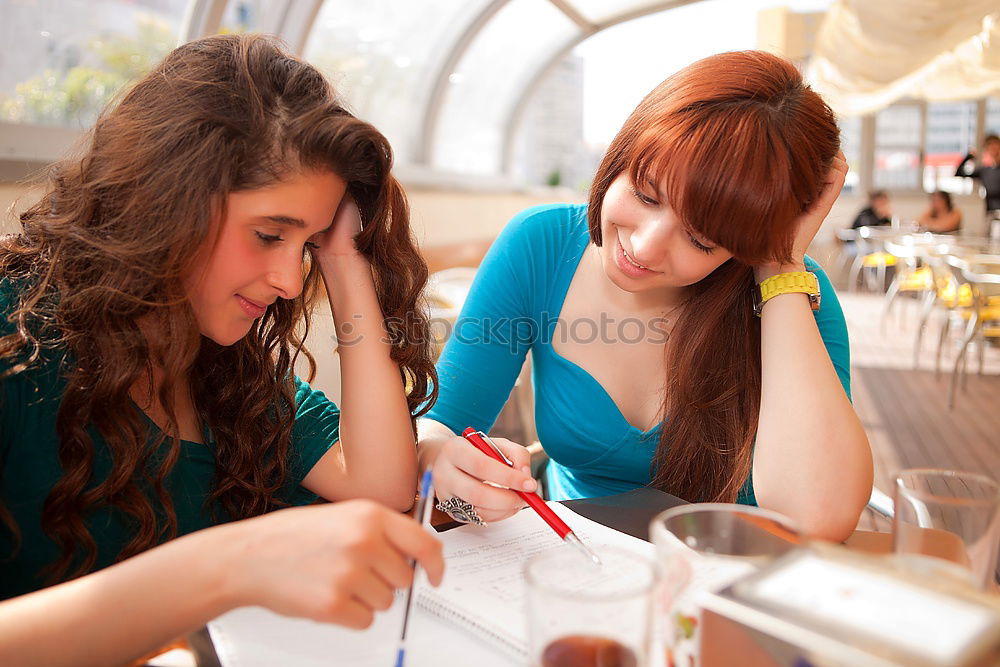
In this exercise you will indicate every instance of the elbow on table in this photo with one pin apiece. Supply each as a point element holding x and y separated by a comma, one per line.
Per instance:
<point>828,512</point>
<point>399,497</point>
<point>834,526</point>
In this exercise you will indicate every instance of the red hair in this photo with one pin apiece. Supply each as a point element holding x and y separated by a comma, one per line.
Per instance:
<point>740,146</point>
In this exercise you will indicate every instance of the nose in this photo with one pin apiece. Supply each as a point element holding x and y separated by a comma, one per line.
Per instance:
<point>285,275</point>
<point>650,239</point>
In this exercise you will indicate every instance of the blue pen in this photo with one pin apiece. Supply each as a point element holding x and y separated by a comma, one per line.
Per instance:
<point>423,515</point>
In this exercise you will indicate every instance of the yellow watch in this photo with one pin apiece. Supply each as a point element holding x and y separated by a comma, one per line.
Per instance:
<point>786,283</point>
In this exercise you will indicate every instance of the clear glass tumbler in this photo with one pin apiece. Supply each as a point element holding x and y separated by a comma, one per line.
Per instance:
<point>705,547</point>
<point>948,521</point>
<point>584,615</point>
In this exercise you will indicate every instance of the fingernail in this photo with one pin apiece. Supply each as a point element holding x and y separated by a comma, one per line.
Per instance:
<point>526,470</point>
<point>529,485</point>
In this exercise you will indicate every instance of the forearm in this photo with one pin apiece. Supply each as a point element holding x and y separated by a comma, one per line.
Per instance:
<point>120,613</point>
<point>375,430</point>
<point>811,460</point>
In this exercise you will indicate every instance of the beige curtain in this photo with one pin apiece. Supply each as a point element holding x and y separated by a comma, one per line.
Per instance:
<point>870,53</point>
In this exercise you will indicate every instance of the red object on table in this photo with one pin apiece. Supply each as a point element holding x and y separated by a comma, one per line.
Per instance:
<point>483,443</point>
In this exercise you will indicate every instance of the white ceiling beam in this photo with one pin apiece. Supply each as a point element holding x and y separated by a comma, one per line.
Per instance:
<point>573,15</point>
<point>435,101</point>
<point>201,18</point>
<point>515,114</point>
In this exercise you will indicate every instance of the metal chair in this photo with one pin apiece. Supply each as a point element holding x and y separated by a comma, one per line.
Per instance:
<point>872,256</point>
<point>910,277</point>
<point>881,504</point>
<point>982,315</point>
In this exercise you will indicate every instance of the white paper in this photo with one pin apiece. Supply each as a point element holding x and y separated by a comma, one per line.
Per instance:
<point>483,586</point>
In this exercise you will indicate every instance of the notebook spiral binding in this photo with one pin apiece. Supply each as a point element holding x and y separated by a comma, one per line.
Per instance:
<point>433,605</point>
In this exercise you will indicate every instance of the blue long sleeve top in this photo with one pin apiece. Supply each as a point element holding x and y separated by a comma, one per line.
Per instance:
<point>514,307</point>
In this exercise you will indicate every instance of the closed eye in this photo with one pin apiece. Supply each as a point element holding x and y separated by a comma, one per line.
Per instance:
<point>648,201</point>
<point>699,245</point>
<point>268,239</point>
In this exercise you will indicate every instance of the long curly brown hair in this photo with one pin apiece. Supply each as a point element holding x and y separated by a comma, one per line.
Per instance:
<point>742,146</point>
<point>111,241</point>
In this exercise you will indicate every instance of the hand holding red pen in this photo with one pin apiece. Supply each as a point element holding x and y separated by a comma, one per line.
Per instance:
<point>485,444</point>
<point>460,470</point>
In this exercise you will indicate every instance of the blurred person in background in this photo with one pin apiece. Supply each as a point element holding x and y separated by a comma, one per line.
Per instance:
<point>878,213</point>
<point>940,216</point>
<point>986,171</point>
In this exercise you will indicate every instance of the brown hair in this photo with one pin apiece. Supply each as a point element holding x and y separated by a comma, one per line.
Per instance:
<point>111,242</point>
<point>740,146</point>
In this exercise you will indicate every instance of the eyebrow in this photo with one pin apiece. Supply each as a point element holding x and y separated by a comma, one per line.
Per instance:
<point>655,188</point>
<point>285,220</point>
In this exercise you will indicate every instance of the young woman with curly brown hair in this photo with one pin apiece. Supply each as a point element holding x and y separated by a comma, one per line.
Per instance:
<point>154,307</point>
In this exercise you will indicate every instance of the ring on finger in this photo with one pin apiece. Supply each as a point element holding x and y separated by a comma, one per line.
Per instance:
<point>460,510</point>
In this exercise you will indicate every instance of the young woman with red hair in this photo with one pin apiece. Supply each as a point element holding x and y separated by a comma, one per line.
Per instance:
<point>659,355</point>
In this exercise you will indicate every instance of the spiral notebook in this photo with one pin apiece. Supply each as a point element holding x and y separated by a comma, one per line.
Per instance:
<point>477,614</point>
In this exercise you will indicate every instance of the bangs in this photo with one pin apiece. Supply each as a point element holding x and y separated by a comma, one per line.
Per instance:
<point>725,175</point>
<point>736,144</point>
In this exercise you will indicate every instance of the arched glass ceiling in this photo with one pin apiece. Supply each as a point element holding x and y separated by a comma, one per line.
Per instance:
<point>444,79</point>
<point>469,134</point>
<point>383,56</point>
<point>61,60</point>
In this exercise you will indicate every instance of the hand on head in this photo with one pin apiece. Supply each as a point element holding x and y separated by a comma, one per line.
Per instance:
<point>338,240</point>
<point>808,224</point>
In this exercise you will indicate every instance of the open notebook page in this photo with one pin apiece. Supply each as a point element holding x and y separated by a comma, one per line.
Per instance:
<point>482,593</point>
<point>484,585</point>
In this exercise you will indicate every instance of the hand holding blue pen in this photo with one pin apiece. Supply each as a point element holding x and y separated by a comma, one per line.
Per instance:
<point>422,514</point>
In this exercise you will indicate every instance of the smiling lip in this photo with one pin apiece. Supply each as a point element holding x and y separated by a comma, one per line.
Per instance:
<point>251,308</point>
<point>627,266</point>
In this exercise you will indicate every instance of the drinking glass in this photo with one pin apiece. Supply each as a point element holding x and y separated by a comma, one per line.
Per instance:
<point>705,547</point>
<point>947,521</point>
<point>586,615</point>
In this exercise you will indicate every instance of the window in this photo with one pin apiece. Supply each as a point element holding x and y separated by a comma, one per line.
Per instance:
<point>64,59</point>
<point>850,143</point>
<point>898,146</point>
<point>951,131</point>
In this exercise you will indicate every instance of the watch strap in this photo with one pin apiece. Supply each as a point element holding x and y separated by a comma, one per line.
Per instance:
<point>804,282</point>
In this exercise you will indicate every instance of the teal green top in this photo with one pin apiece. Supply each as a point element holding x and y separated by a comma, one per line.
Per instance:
<point>514,307</point>
<point>29,467</point>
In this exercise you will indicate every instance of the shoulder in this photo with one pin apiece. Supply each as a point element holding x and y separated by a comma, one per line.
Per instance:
<point>548,222</point>
<point>830,305</point>
<point>316,426</point>
<point>825,285</point>
<point>544,233</point>
<point>313,403</point>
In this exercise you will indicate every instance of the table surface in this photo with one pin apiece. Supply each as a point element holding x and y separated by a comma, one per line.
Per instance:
<point>629,513</point>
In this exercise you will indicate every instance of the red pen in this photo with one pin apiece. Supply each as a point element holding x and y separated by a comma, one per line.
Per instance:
<point>488,447</point>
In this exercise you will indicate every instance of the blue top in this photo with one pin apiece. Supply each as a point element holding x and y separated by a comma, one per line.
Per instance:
<point>513,307</point>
